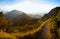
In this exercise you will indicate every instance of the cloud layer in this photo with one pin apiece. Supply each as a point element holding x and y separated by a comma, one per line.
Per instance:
<point>28,7</point>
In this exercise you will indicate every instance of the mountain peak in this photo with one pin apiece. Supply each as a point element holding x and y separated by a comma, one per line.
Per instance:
<point>54,11</point>
<point>15,13</point>
<point>16,10</point>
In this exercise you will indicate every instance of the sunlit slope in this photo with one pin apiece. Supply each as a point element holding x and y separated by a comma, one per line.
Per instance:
<point>33,33</point>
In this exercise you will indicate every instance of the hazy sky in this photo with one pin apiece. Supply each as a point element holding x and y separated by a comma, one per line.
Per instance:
<point>29,6</point>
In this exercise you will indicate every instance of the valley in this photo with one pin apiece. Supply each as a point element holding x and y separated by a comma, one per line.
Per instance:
<point>18,25</point>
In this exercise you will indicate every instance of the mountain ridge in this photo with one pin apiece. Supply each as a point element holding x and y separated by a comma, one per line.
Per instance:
<point>18,17</point>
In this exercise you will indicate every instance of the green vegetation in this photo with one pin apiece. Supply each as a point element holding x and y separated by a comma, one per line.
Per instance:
<point>33,29</point>
<point>54,25</point>
<point>10,31</point>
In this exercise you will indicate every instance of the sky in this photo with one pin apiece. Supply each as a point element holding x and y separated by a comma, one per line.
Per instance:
<point>29,6</point>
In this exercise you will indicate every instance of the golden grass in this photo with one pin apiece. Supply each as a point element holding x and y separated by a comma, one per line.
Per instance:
<point>31,32</point>
<point>21,34</point>
<point>59,32</point>
<point>5,35</point>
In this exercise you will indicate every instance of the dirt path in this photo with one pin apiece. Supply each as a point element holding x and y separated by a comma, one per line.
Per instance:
<point>45,31</point>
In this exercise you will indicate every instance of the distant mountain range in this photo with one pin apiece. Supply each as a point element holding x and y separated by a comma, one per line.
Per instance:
<point>15,13</point>
<point>19,17</point>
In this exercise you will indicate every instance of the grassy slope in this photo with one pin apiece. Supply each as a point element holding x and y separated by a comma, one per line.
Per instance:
<point>21,34</point>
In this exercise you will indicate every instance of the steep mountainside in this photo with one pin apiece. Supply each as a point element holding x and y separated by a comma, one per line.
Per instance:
<point>54,24</point>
